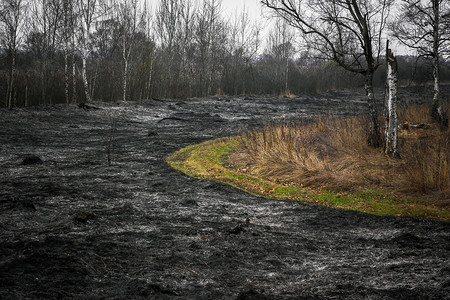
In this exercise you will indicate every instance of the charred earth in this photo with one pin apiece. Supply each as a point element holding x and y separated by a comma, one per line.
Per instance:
<point>89,209</point>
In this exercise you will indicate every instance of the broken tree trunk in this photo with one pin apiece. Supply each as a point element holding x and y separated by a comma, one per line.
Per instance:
<point>391,146</point>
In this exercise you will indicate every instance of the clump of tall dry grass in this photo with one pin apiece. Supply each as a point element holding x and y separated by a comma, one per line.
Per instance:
<point>332,153</point>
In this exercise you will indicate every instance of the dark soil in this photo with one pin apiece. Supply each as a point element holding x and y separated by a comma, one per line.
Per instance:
<point>75,226</point>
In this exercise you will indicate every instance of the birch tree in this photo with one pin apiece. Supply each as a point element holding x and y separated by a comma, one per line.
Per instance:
<point>348,32</point>
<point>87,10</point>
<point>280,43</point>
<point>46,22</point>
<point>168,26</point>
<point>186,40</point>
<point>149,51</point>
<point>12,14</point>
<point>208,28</point>
<point>245,42</point>
<point>67,33</point>
<point>424,25</point>
<point>391,137</point>
<point>130,19</point>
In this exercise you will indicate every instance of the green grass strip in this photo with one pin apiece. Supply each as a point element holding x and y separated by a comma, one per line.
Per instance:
<point>208,160</point>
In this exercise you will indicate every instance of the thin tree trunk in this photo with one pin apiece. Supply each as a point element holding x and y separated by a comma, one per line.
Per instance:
<point>374,136</point>
<point>86,28</point>
<point>150,73</point>
<point>12,74</point>
<point>85,80</point>
<point>437,112</point>
<point>74,69</point>
<point>391,147</point>
<point>66,51</point>
<point>286,75</point>
<point>74,79</point>
<point>66,73</point>
<point>125,71</point>
<point>94,81</point>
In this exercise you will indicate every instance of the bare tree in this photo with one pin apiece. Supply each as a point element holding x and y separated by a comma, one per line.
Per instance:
<point>208,29</point>
<point>245,42</point>
<point>67,33</point>
<point>424,25</point>
<point>348,32</point>
<point>149,51</point>
<point>391,147</point>
<point>88,10</point>
<point>130,19</point>
<point>46,23</point>
<point>168,26</point>
<point>280,43</point>
<point>12,14</point>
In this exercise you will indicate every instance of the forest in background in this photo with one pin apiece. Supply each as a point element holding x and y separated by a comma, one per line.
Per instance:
<point>125,50</point>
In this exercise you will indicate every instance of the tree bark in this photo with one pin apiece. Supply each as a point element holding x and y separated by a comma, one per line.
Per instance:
<point>11,78</point>
<point>125,72</point>
<point>374,136</point>
<point>85,79</point>
<point>74,77</point>
<point>391,146</point>
<point>66,73</point>
<point>84,62</point>
<point>437,112</point>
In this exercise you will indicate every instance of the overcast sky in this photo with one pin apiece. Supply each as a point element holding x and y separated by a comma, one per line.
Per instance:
<point>257,13</point>
<point>252,6</point>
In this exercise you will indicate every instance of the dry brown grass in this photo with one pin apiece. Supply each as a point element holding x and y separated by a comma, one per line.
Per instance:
<point>333,154</point>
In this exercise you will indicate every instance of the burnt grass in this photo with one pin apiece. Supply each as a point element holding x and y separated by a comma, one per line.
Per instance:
<point>73,226</point>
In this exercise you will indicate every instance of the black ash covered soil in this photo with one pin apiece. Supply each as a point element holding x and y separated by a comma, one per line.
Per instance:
<point>73,226</point>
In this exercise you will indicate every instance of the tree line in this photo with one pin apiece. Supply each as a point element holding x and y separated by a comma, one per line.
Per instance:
<point>64,51</point>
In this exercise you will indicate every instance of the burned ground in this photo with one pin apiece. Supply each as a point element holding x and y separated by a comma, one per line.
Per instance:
<point>74,226</point>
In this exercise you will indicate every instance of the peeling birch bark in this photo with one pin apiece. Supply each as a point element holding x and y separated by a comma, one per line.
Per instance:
<point>437,112</point>
<point>391,130</point>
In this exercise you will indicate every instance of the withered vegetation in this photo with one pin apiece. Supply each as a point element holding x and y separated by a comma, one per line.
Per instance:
<point>332,154</point>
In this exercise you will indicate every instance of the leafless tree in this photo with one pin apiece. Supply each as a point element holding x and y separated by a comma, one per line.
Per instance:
<point>391,136</point>
<point>209,28</point>
<point>12,13</point>
<point>45,23</point>
<point>348,32</point>
<point>280,44</point>
<point>130,18</point>
<point>88,11</point>
<point>148,51</point>
<point>244,44</point>
<point>67,33</point>
<point>168,26</point>
<point>424,25</point>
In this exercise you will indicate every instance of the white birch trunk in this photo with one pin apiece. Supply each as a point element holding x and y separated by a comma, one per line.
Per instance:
<point>391,147</point>
<point>84,63</point>
<point>437,112</point>
<point>66,72</point>
<point>74,69</point>
<point>74,79</point>
<point>286,76</point>
<point>125,71</point>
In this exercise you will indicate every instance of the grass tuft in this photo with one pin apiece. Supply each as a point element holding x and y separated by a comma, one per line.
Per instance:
<point>329,163</point>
